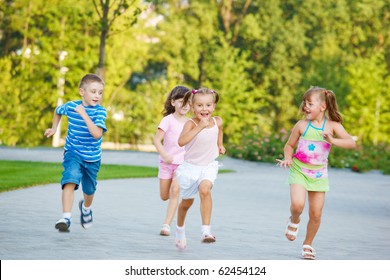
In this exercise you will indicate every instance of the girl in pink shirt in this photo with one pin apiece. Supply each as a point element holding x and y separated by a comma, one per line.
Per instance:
<point>202,137</point>
<point>171,154</point>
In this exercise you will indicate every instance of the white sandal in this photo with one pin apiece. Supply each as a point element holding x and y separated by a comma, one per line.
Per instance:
<point>308,255</point>
<point>208,238</point>
<point>291,232</point>
<point>165,230</point>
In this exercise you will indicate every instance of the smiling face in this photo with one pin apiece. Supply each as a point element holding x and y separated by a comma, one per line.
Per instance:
<point>203,105</point>
<point>91,93</point>
<point>313,107</point>
<point>179,108</point>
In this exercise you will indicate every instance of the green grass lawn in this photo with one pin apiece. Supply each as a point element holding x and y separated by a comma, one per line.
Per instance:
<point>21,174</point>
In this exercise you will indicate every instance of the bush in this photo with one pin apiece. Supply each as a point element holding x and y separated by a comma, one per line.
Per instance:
<point>362,159</point>
<point>257,147</point>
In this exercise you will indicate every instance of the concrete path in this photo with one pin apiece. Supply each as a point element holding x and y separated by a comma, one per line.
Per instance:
<point>250,209</point>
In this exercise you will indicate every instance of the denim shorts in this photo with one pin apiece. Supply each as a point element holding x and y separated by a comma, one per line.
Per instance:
<point>77,170</point>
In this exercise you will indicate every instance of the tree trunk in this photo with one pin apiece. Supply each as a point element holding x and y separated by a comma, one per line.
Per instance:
<point>101,71</point>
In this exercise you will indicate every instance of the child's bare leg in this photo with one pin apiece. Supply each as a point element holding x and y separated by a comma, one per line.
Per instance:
<point>63,224</point>
<point>165,186</point>
<point>206,202</point>
<point>206,205</point>
<point>184,205</point>
<point>68,197</point>
<point>316,204</point>
<point>298,198</point>
<point>88,200</point>
<point>173,201</point>
<point>180,239</point>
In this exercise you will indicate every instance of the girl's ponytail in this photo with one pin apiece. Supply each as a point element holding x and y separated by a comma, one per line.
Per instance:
<point>327,96</point>
<point>332,107</point>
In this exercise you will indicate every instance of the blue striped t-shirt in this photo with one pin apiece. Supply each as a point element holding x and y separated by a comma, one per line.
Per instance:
<point>79,139</point>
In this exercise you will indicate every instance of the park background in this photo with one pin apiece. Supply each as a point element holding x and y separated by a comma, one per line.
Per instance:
<point>261,56</point>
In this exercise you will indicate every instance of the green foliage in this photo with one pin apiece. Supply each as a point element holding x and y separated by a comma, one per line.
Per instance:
<point>369,106</point>
<point>259,147</point>
<point>259,55</point>
<point>363,159</point>
<point>30,70</point>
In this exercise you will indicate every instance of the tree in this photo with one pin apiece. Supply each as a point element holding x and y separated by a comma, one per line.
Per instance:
<point>259,55</point>
<point>30,67</point>
<point>108,11</point>
<point>368,110</point>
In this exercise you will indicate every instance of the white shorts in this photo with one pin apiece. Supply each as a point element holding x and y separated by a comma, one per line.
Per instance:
<point>190,176</point>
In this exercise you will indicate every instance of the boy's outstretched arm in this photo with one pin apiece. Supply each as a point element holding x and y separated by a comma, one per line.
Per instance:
<point>56,120</point>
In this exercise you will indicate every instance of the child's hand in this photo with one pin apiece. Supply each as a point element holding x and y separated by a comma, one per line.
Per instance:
<point>167,158</point>
<point>328,137</point>
<point>222,150</point>
<point>204,122</point>
<point>80,109</point>
<point>284,163</point>
<point>49,132</point>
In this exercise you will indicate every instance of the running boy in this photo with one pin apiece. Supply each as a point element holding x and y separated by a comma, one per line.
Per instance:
<point>82,148</point>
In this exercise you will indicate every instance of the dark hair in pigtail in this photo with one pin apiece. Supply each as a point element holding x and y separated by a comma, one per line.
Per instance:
<point>176,93</point>
<point>187,95</point>
<point>326,96</point>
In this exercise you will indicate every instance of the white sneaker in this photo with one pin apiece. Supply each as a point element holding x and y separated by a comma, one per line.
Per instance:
<point>86,220</point>
<point>63,225</point>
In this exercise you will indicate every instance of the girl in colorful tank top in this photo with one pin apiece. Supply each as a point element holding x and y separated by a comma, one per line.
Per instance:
<point>308,174</point>
<point>310,159</point>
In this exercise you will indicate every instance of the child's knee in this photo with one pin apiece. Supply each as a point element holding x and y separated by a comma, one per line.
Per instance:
<point>175,191</point>
<point>205,188</point>
<point>69,186</point>
<point>315,215</point>
<point>297,208</point>
<point>164,196</point>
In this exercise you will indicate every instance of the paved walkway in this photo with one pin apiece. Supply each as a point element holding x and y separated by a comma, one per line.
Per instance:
<point>250,210</point>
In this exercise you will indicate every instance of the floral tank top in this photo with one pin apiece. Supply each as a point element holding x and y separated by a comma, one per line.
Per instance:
<point>313,151</point>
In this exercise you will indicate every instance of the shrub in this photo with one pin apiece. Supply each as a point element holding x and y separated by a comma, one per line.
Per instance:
<point>256,147</point>
<point>268,148</point>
